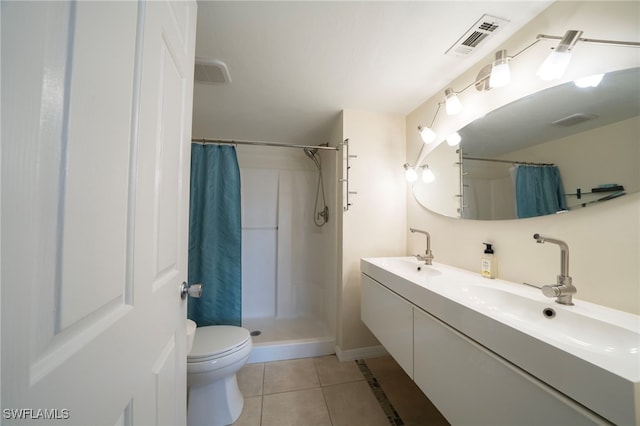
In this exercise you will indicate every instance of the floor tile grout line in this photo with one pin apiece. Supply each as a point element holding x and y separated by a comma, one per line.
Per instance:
<point>324,397</point>
<point>293,390</point>
<point>344,383</point>
<point>378,392</point>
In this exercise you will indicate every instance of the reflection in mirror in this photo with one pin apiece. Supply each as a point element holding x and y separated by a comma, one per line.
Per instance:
<point>586,140</point>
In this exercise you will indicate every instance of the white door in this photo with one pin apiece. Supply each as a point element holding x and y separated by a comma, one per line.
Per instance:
<point>96,129</point>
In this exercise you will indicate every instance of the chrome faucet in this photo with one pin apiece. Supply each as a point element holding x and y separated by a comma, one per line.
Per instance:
<point>428,257</point>
<point>563,290</point>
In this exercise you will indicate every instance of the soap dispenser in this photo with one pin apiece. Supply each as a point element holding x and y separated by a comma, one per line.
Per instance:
<point>489,262</point>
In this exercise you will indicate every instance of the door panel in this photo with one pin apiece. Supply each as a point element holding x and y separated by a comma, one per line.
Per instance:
<point>164,371</point>
<point>95,184</point>
<point>168,160</point>
<point>95,163</point>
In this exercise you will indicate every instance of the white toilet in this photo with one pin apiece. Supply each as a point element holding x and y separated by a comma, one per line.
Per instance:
<point>218,352</point>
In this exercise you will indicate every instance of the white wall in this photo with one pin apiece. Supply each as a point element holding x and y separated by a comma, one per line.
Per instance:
<point>604,240</point>
<point>441,194</point>
<point>375,224</point>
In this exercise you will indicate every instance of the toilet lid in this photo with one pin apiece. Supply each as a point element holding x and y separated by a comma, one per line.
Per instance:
<point>215,340</point>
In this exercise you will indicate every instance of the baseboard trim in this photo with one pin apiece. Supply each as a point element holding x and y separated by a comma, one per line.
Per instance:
<point>360,353</point>
<point>279,351</point>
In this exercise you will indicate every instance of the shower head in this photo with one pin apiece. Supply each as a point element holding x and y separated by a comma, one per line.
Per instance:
<point>311,153</point>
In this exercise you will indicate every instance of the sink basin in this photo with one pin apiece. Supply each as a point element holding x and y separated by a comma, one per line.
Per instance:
<point>410,265</point>
<point>588,352</point>
<point>413,269</point>
<point>565,325</point>
<point>191,333</point>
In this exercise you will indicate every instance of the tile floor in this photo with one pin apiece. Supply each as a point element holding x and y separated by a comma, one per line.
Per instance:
<point>324,391</point>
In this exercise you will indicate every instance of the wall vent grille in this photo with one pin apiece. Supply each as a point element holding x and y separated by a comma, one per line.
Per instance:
<point>479,32</point>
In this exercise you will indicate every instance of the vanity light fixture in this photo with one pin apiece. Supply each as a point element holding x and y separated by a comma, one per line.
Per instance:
<point>454,139</point>
<point>500,72</point>
<point>452,102</point>
<point>427,174</point>
<point>591,81</point>
<point>557,62</point>
<point>426,134</point>
<point>410,173</point>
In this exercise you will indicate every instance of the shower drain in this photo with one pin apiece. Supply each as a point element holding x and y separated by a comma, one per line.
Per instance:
<point>255,333</point>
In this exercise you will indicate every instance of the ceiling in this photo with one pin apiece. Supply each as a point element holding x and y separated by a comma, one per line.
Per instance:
<point>295,65</point>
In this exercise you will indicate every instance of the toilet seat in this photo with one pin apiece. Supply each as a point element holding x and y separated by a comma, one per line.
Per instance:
<point>216,341</point>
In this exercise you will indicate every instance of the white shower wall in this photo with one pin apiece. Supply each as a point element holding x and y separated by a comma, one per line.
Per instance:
<point>489,191</point>
<point>280,246</point>
<point>288,267</point>
<point>259,195</point>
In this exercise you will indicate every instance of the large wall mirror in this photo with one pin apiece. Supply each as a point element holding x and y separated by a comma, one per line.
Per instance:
<point>557,150</point>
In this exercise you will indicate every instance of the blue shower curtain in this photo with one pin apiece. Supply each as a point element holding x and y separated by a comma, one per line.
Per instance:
<point>215,235</point>
<point>538,191</point>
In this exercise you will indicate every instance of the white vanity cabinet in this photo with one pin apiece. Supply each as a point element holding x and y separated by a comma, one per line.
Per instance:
<point>473,386</point>
<point>390,319</point>
<point>468,383</point>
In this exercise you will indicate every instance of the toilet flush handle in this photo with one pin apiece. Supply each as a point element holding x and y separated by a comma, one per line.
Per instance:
<point>193,290</point>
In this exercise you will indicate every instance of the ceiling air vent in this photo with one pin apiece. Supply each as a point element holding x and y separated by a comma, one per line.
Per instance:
<point>573,119</point>
<point>484,28</point>
<point>211,71</point>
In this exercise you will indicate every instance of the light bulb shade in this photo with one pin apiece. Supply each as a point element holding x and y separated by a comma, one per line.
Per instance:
<point>500,72</point>
<point>500,76</point>
<point>426,134</point>
<point>427,175</point>
<point>452,103</point>
<point>410,174</point>
<point>557,62</point>
<point>591,81</point>
<point>454,139</point>
<point>554,66</point>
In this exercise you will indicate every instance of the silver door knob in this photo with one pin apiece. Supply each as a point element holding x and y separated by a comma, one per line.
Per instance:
<point>193,290</point>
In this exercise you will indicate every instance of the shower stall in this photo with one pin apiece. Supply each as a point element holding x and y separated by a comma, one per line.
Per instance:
<point>289,246</point>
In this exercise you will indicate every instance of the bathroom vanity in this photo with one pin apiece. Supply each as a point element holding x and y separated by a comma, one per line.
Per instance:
<point>489,352</point>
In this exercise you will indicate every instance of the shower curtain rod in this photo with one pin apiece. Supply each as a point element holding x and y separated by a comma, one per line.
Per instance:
<point>507,161</point>
<point>205,141</point>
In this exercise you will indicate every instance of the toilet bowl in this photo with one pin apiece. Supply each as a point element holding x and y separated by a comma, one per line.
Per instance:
<point>218,352</point>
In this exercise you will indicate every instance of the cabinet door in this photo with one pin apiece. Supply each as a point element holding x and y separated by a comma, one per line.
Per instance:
<point>472,386</point>
<point>390,319</point>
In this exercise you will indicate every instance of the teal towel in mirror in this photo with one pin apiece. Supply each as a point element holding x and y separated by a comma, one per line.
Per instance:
<point>538,191</point>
